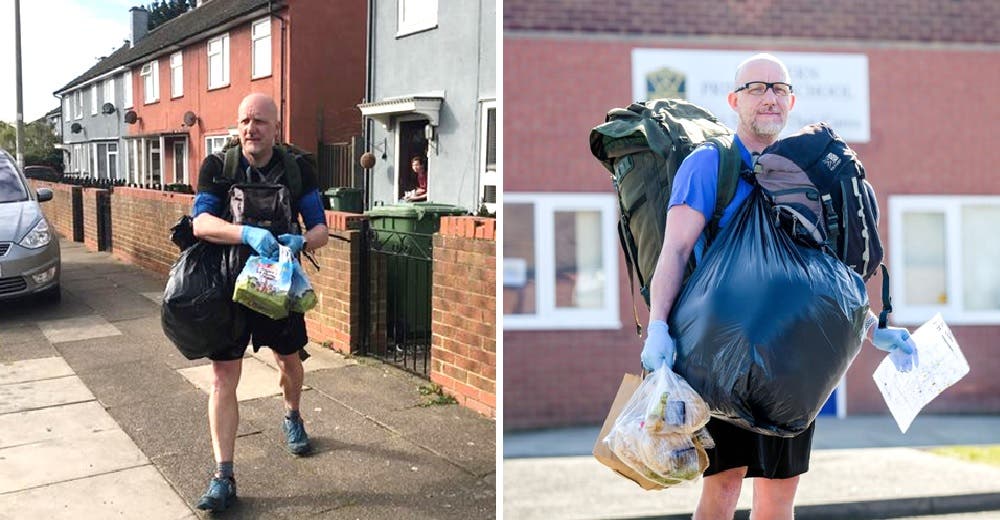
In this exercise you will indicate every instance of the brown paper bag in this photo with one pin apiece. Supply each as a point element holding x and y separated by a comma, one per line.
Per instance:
<point>604,455</point>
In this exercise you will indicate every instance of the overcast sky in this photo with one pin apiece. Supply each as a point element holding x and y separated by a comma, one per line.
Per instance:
<point>60,39</point>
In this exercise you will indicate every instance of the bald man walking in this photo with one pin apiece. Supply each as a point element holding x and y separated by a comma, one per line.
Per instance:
<point>256,160</point>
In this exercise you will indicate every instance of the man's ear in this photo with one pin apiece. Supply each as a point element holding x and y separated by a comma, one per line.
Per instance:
<point>732,98</point>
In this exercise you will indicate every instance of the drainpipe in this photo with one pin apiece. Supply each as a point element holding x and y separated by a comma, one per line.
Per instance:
<point>369,95</point>
<point>281,81</point>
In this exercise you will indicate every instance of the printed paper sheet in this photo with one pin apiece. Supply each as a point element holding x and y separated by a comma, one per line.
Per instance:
<point>939,363</point>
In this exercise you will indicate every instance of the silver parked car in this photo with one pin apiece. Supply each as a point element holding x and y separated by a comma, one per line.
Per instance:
<point>29,247</point>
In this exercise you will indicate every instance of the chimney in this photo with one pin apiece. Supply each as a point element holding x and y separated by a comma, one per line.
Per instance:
<point>140,22</point>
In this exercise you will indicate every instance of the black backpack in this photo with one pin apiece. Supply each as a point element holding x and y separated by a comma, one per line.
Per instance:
<point>643,146</point>
<point>822,199</point>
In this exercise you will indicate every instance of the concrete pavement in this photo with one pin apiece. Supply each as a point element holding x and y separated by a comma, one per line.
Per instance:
<point>101,417</point>
<point>861,467</point>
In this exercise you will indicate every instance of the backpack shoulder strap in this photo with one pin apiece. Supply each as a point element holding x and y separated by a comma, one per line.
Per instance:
<point>231,162</point>
<point>293,174</point>
<point>730,164</point>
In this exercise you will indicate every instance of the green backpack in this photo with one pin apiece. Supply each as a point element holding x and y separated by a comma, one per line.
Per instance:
<point>643,146</point>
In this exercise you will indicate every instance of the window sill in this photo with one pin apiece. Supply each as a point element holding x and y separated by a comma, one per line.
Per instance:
<point>153,102</point>
<point>218,87</point>
<point>255,78</point>
<point>403,32</point>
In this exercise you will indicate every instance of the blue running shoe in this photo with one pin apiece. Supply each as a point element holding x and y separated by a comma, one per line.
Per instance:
<point>295,436</point>
<point>220,495</point>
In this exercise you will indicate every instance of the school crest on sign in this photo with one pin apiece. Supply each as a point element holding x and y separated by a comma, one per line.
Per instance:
<point>666,82</point>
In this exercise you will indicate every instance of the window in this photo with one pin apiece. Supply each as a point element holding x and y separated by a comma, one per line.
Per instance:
<point>218,62</point>
<point>151,81</point>
<point>261,36</point>
<point>93,99</point>
<point>106,160</point>
<point>215,143</point>
<point>176,75</point>
<point>67,108</point>
<point>943,251</point>
<point>78,112</point>
<point>153,160</point>
<point>127,89</point>
<point>109,90</point>
<point>489,175</point>
<point>416,15</point>
<point>560,261</point>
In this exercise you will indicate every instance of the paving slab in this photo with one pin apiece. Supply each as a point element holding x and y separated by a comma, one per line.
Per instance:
<point>78,328</point>
<point>458,434</point>
<point>115,385</point>
<point>372,390</point>
<point>18,397</point>
<point>59,460</point>
<point>56,422</point>
<point>89,355</point>
<point>100,497</point>
<point>118,303</point>
<point>256,380</point>
<point>33,370</point>
<point>17,332</point>
<point>320,358</point>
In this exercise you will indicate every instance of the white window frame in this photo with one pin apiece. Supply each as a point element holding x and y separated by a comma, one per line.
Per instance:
<point>67,108</point>
<point>951,207</point>
<point>127,89</point>
<point>415,16</point>
<point>260,66</point>
<point>78,96</point>
<point>109,90</point>
<point>150,70</point>
<point>547,316</point>
<point>215,143</point>
<point>488,177</point>
<point>223,54</point>
<point>93,98</point>
<point>176,75</point>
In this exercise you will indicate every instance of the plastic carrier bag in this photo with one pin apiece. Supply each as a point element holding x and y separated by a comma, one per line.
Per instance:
<point>264,284</point>
<point>660,432</point>
<point>301,295</point>
<point>198,314</point>
<point>766,327</point>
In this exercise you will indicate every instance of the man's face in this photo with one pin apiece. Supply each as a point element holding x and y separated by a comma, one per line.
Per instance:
<point>257,126</point>
<point>762,115</point>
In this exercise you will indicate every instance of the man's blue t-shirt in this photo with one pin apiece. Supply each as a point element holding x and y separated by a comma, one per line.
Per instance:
<point>696,184</point>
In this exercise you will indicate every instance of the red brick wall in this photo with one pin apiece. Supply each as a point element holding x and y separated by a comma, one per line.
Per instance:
<point>463,347</point>
<point>886,20</point>
<point>336,319</point>
<point>59,210</point>
<point>140,227</point>
<point>921,143</point>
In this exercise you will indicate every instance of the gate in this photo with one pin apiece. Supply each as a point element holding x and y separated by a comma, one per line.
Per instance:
<point>77,203</point>
<point>398,271</point>
<point>104,220</point>
<point>335,163</point>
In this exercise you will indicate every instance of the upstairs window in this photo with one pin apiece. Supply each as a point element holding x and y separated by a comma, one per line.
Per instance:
<point>417,15</point>
<point>127,89</point>
<point>218,62</point>
<point>176,75</point>
<point>109,90</point>
<point>78,97</point>
<point>151,81</point>
<point>93,99</point>
<point>261,37</point>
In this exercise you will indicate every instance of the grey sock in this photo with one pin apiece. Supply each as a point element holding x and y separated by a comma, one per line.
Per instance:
<point>225,469</point>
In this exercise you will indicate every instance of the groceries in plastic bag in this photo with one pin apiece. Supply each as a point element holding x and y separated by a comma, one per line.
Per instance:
<point>301,295</point>
<point>766,327</point>
<point>660,432</point>
<point>198,314</point>
<point>264,284</point>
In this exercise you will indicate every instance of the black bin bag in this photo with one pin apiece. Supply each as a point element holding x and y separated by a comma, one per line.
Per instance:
<point>198,312</point>
<point>766,327</point>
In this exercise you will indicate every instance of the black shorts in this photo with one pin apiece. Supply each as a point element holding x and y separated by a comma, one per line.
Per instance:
<point>285,336</point>
<point>764,456</point>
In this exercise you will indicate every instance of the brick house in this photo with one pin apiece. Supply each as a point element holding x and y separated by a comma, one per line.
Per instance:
<point>921,92</point>
<point>176,88</point>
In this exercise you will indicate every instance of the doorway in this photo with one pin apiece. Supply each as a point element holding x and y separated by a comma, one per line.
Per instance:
<point>412,142</point>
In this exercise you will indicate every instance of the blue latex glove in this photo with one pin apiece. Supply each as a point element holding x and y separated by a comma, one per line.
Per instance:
<point>293,242</point>
<point>900,346</point>
<point>659,347</point>
<point>262,241</point>
<point>892,338</point>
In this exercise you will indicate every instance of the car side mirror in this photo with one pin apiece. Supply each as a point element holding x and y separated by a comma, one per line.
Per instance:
<point>44,194</point>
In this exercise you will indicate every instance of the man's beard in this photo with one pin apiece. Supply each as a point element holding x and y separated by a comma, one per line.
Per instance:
<point>766,128</point>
